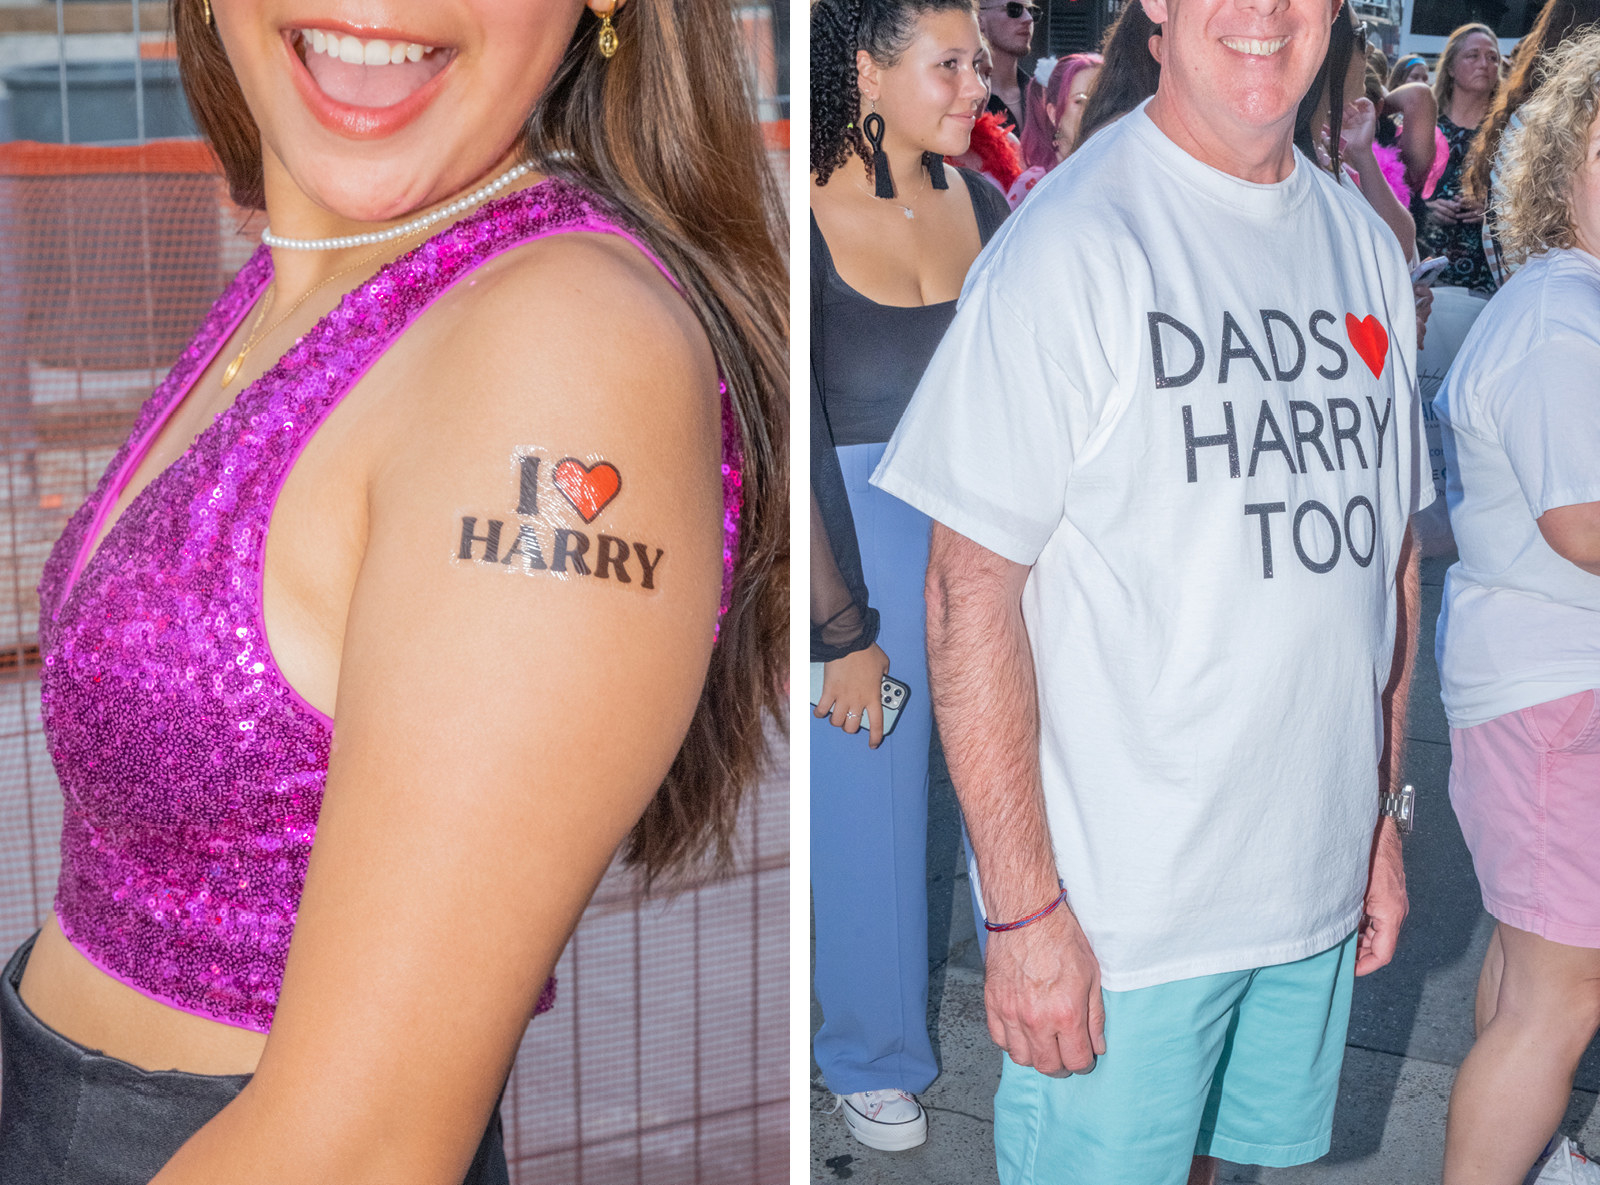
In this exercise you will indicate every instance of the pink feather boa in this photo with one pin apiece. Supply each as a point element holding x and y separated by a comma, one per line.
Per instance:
<point>1394,169</point>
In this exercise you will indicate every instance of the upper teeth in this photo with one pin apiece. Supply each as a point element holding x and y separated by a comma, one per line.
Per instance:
<point>1246,45</point>
<point>357,52</point>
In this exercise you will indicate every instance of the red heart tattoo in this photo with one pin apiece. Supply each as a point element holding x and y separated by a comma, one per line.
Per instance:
<point>1371,341</point>
<point>587,488</point>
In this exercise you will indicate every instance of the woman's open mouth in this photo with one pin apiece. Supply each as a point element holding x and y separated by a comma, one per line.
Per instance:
<point>365,87</point>
<point>367,72</point>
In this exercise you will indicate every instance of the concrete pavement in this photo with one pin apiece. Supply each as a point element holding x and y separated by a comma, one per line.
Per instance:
<point>1410,1027</point>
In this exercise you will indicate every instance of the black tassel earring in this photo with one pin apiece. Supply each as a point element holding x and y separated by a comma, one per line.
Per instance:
<point>883,182</point>
<point>934,163</point>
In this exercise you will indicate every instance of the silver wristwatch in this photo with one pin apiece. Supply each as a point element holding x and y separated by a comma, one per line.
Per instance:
<point>1401,807</point>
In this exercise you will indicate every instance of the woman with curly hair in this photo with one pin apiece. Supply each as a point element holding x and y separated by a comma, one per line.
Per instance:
<point>894,89</point>
<point>445,563</point>
<point>1449,223</point>
<point>1558,20</point>
<point>1519,638</point>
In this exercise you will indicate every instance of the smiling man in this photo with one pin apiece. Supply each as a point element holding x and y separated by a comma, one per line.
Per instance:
<point>1171,444</point>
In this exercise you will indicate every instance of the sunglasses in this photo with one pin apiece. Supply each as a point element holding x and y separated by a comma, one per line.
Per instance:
<point>1015,9</point>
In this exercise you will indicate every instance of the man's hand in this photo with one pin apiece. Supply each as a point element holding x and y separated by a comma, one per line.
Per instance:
<point>1386,905</point>
<point>1424,298</point>
<point>1042,981</point>
<point>1042,992</point>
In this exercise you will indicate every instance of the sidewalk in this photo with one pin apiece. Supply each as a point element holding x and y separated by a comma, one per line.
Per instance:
<point>1410,1028</point>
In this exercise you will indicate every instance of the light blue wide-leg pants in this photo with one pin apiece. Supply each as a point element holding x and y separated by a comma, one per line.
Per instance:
<point>869,828</point>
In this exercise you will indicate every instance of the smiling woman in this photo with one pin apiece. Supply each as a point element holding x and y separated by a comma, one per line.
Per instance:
<point>366,86</point>
<point>487,438</point>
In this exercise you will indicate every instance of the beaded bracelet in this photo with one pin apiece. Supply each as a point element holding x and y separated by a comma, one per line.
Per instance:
<point>1001,927</point>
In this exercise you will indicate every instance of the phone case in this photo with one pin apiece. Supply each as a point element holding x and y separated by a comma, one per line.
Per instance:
<point>895,696</point>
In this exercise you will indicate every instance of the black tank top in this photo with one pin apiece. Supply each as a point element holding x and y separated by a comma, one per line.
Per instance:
<point>868,356</point>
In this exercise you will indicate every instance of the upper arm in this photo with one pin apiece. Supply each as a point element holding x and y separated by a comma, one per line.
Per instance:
<point>1548,421</point>
<point>1573,533</point>
<point>500,726</point>
<point>1375,190</point>
<point>1417,143</point>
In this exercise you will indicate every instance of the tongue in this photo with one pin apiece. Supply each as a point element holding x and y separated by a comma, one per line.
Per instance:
<point>368,86</point>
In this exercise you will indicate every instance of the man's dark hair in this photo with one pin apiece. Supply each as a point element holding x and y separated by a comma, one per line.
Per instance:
<point>1130,75</point>
<point>1344,38</point>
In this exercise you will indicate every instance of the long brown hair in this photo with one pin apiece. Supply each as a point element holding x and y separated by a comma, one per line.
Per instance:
<point>664,134</point>
<point>1444,86</point>
<point>1558,20</point>
<point>1128,74</point>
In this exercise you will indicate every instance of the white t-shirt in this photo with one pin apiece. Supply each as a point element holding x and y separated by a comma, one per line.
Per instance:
<point>1165,390</point>
<point>1521,413</point>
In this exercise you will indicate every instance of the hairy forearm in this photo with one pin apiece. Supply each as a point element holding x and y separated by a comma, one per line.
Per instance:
<point>1408,615</point>
<point>980,671</point>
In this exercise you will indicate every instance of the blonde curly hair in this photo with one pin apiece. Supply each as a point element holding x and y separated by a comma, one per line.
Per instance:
<point>1539,161</point>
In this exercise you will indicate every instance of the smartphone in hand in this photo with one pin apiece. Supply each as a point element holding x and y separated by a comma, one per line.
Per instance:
<point>895,695</point>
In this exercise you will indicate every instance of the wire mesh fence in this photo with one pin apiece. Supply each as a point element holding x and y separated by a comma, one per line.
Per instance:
<point>665,1057</point>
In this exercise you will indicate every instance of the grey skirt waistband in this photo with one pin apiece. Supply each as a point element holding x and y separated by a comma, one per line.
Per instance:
<point>74,1116</point>
<point>71,1114</point>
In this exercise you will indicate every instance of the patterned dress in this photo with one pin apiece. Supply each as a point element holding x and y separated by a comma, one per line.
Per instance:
<point>1461,244</point>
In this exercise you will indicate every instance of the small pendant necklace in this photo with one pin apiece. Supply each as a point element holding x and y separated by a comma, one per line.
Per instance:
<point>256,334</point>
<point>904,209</point>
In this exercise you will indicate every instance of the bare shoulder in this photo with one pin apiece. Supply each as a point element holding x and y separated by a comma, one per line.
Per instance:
<point>571,328</point>
<point>574,365</point>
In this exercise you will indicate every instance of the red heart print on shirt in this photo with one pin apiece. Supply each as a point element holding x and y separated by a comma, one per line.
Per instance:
<point>587,487</point>
<point>1371,341</point>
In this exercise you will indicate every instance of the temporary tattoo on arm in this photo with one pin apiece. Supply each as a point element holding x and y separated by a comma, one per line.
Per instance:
<point>588,487</point>
<point>547,539</point>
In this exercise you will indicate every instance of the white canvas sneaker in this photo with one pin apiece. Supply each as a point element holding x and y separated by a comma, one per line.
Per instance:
<point>888,1120</point>
<point>1567,1166</point>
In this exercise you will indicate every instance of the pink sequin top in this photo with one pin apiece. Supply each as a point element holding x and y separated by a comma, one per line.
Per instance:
<point>192,772</point>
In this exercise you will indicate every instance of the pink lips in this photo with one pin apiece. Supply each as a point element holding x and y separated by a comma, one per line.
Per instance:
<point>366,102</point>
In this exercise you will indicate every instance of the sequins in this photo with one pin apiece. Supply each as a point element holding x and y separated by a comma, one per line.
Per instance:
<point>732,498</point>
<point>192,773</point>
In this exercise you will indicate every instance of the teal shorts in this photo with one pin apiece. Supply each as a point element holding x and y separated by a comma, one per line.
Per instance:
<point>1243,1066</point>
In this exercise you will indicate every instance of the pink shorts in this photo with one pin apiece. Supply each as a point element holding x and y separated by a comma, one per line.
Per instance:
<point>1526,789</point>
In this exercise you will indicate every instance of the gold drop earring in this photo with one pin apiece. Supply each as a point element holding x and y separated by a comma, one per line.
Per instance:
<point>608,34</point>
<point>206,5</point>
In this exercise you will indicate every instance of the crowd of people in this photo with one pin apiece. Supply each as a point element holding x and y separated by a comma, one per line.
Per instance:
<point>1166,625</point>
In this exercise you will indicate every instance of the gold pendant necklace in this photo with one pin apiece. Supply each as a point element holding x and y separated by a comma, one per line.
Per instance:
<point>232,369</point>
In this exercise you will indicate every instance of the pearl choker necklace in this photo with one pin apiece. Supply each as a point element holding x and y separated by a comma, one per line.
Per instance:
<point>404,229</point>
